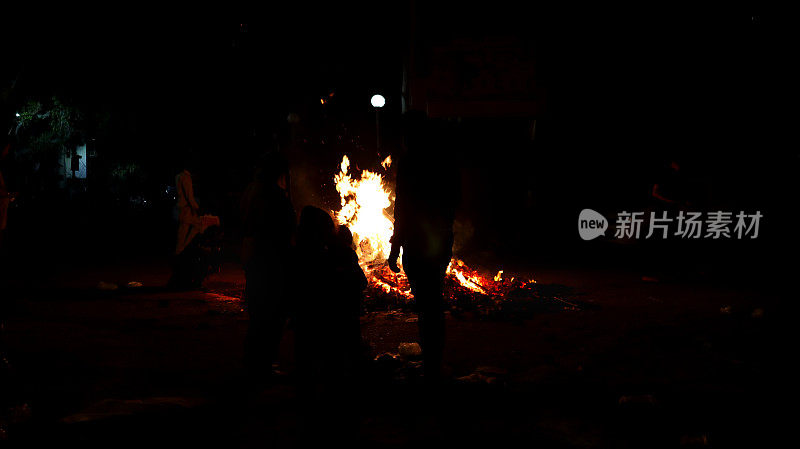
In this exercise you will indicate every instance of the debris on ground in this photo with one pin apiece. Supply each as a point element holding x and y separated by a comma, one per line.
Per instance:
<point>107,286</point>
<point>476,379</point>
<point>695,440</point>
<point>409,349</point>
<point>388,358</point>
<point>397,367</point>
<point>121,407</point>
<point>473,378</point>
<point>520,302</point>
<point>488,375</point>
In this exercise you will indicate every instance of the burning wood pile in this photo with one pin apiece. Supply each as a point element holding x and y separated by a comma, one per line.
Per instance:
<point>366,200</point>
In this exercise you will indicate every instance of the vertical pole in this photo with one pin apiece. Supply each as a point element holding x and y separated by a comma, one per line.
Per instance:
<point>378,127</point>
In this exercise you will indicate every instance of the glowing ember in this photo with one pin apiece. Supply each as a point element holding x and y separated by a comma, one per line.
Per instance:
<point>221,297</point>
<point>364,205</point>
<point>473,282</point>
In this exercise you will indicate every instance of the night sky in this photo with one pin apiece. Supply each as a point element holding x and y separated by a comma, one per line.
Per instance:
<point>626,91</point>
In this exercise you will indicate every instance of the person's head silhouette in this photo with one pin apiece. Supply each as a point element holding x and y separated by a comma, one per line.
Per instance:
<point>315,229</point>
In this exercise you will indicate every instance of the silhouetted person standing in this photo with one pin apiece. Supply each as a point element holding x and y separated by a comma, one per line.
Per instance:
<point>188,209</point>
<point>428,192</point>
<point>269,223</point>
<point>187,212</point>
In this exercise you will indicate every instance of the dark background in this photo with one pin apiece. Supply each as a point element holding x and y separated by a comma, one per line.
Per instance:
<point>626,92</point>
<point>698,357</point>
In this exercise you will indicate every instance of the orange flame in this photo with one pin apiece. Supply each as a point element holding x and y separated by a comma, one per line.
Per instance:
<point>364,204</point>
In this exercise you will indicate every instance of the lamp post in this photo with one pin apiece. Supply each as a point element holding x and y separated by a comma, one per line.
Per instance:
<point>377,102</point>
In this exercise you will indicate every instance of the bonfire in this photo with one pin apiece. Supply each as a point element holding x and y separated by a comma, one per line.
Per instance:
<point>366,202</point>
<point>366,209</point>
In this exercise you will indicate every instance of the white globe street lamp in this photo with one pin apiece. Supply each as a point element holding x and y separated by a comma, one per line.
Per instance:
<point>377,101</point>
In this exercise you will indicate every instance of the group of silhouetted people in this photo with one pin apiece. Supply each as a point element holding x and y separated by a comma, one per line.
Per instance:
<point>306,273</point>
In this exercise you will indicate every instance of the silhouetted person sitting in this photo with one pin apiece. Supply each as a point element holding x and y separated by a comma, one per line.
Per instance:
<point>314,281</point>
<point>351,283</point>
<point>428,192</point>
<point>268,220</point>
<point>327,333</point>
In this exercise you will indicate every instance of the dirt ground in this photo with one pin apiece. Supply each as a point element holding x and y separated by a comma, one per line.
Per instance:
<point>644,364</point>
